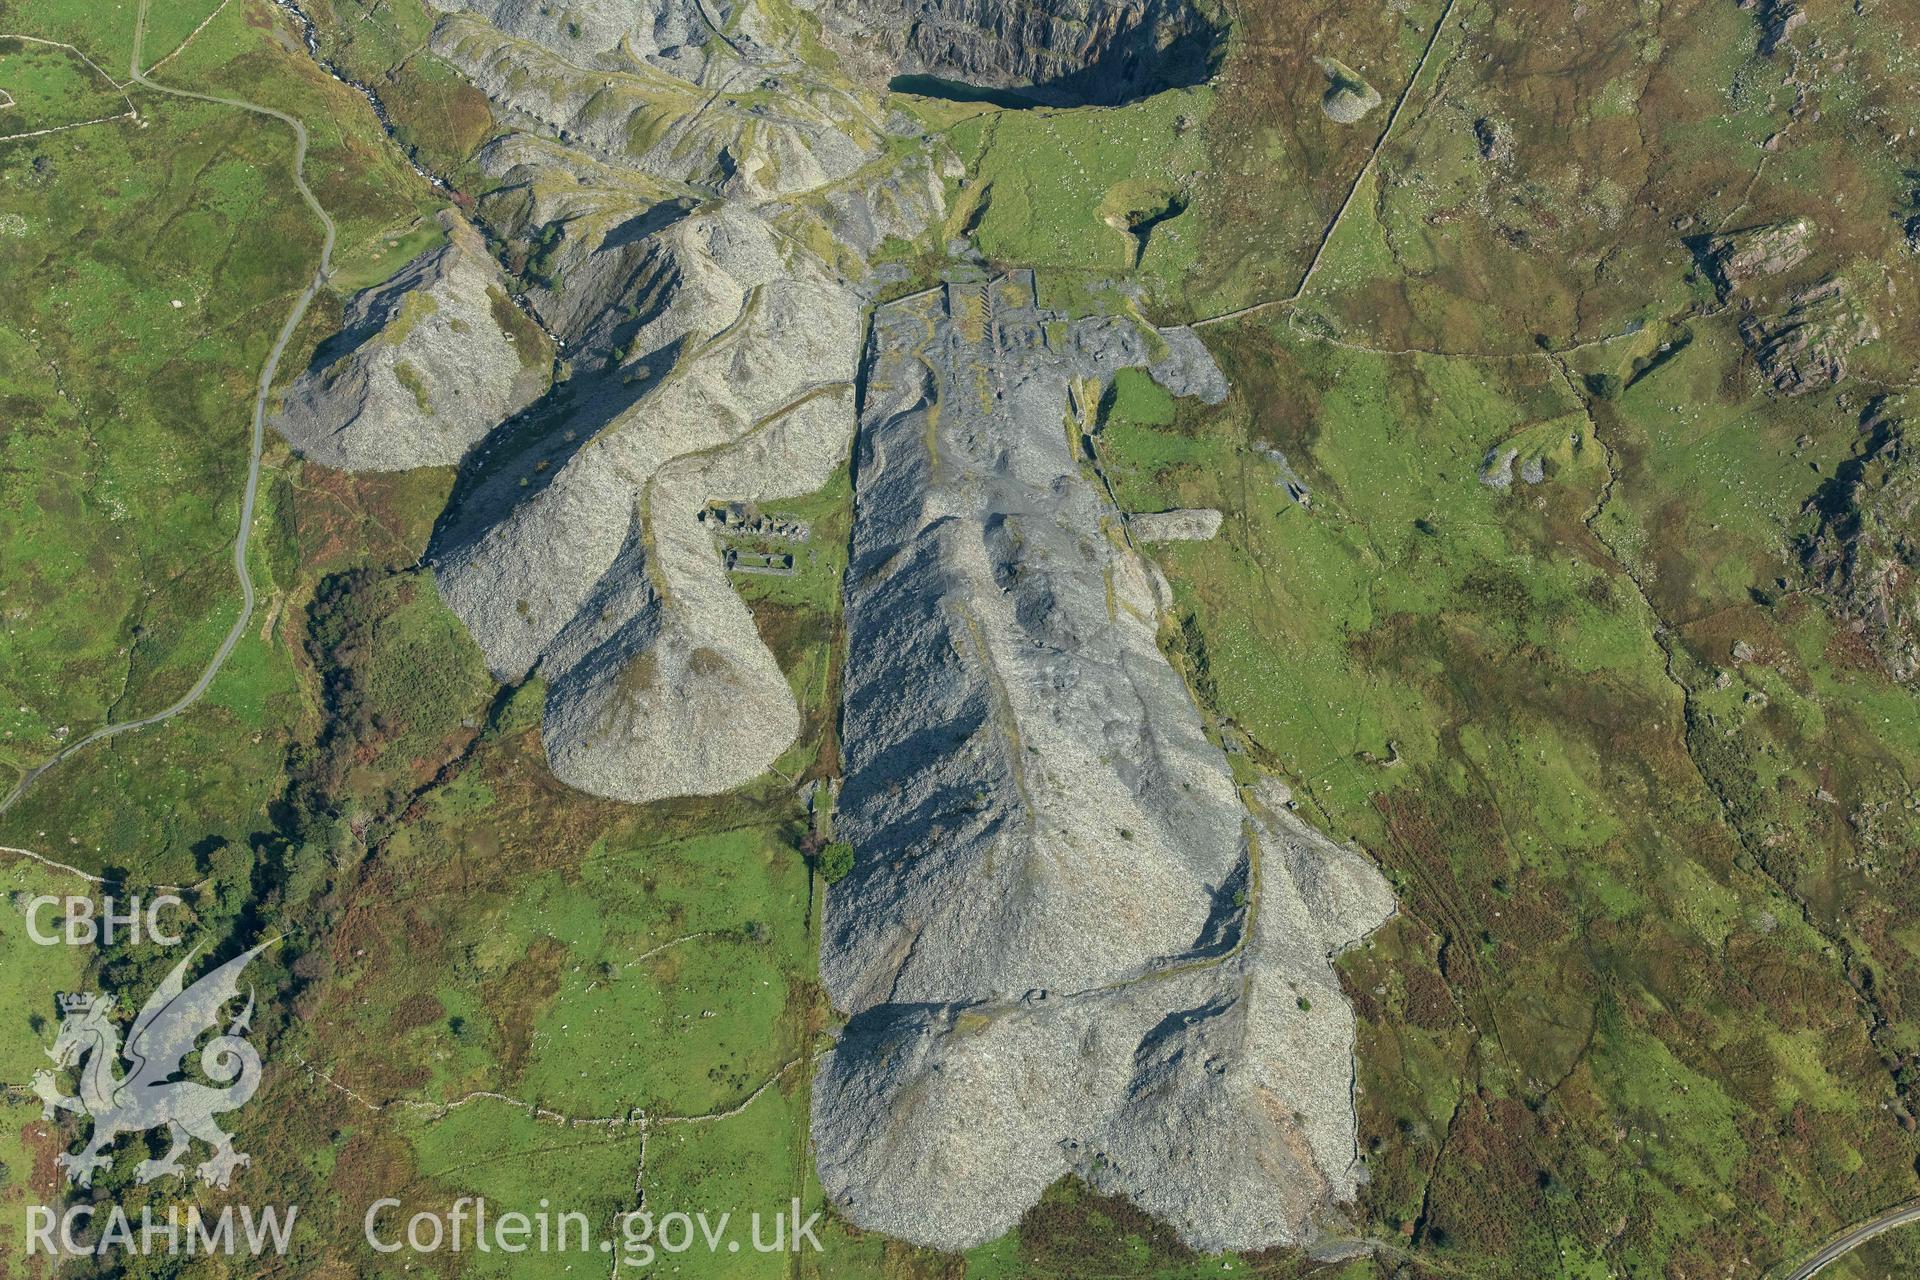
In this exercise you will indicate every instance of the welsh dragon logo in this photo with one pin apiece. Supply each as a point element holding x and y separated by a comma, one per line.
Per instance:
<point>150,1094</point>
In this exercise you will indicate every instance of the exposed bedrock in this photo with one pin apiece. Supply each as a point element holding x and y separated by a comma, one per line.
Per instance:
<point>1060,52</point>
<point>1864,559</point>
<point>1734,259</point>
<point>1067,943</point>
<point>1805,347</point>
<point>425,365</point>
<point>1801,334</point>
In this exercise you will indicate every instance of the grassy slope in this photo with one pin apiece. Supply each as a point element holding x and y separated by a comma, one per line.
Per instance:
<point>123,481</point>
<point>1652,978</point>
<point>28,1013</point>
<point>1595,987</point>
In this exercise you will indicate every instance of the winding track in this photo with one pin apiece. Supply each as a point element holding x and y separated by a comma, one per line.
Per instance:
<point>252,490</point>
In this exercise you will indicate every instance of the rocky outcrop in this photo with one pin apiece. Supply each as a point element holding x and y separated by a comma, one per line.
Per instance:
<point>1801,340</point>
<point>425,365</point>
<point>1778,19</point>
<point>1493,139</point>
<point>1065,944</point>
<point>1805,347</point>
<point>1865,557</point>
<point>1058,52</point>
<point>1737,258</point>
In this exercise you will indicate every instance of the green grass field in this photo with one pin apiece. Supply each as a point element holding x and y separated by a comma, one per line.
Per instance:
<point>1059,190</point>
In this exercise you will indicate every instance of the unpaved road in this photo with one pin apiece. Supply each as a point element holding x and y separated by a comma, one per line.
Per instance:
<point>299,310</point>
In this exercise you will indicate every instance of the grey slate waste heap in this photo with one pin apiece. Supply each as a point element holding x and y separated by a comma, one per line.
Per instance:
<point>424,367</point>
<point>1067,943</point>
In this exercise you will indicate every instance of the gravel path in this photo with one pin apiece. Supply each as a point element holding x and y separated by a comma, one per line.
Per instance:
<point>252,489</point>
